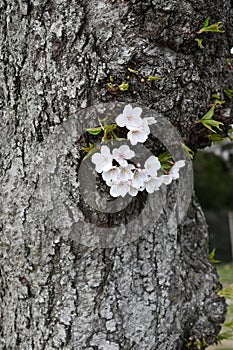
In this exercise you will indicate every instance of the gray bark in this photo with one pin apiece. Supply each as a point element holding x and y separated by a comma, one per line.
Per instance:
<point>56,57</point>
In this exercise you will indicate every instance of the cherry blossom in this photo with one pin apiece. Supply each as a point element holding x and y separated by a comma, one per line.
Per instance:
<point>152,165</point>
<point>102,160</point>
<point>122,153</point>
<point>119,189</point>
<point>130,117</point>
<point>126,172</point>
<point>174,172</point>
<point>111,176</point>
<point>133,191</point>
<point>137,135</point>
<point>138,179</point>
<point>153,184</point>
<point>125,177</point>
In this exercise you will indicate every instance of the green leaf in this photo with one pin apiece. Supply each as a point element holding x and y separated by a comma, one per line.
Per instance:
<point>154,78</point>
<point>229,93</point>
<point>199,42</point>
<point>164,157</point>
<point>166,166</point>
<point>228,324</point>
<point>226,292</point>
<point>216,96</point>
<point>216,138</point>
<point>214,28</point>
<point>224,336</point>
<point>111,79</point>
<point>187,151</point>
<point>117,138</point>
<point>211,257</point>
<point>132,70</point>
<point>209,123</point>
<point>123,87</point>
<point>94,131</point>
<point>110,127</point>
<point>219,102</point>
<point>90,150</point>
<point>205,24</point>
<point>209,114</point>
<point>230,135</point>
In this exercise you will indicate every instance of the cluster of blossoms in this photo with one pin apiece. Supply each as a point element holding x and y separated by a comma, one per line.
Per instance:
<point>138,127</point>
<point>123,176</point>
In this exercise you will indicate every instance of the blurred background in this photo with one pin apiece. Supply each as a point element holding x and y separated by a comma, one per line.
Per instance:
<point>213,176</point>
<point>213,181</point>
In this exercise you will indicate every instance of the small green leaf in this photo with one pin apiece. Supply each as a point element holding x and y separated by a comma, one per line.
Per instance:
<point>209,114</point>
<point>199,42</point>
<point>123,86</point>
<point>205,24</point>
<point>187,151</point>
<point>94,131</point>
<point>214,28</point>
<point>154,78</point>
<point>110,127</point>
<point>90,150</point>
<point>164,157</point>
<point>230,135</point>
<point>226,292</point>
<point>216,138</point>
<point>229,93</point>
<point>228,324</point>
<point>216,96</point>
<point>219,102</point>
<point>209,123</point>
<point>211,258</point>
<point>166,166</point>
<point>87,149</point>
<point>117,138</point>
<point>224,336</point>
<point>132,70</point>
<point>111,79</point>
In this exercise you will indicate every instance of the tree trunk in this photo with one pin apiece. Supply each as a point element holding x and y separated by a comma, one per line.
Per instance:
<point>155,292</point>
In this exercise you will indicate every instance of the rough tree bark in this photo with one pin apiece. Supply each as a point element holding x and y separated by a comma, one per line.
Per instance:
<point>56,57</point>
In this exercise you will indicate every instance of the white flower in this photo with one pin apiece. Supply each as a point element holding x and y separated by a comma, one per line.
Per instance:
<point>122,153</point>
<point>152,165</point>
<point>174,172</point>
<point>102,160</point>
<point>138,180</point>
<point>133,191</point>
<point>136,136</point>
<point>119,189</point>
<point>153,184</point>
<point>126,172</point>
<point>166,179</point>
<point>232,50</point>
<point>110,176</point>
<point>130,117</point>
